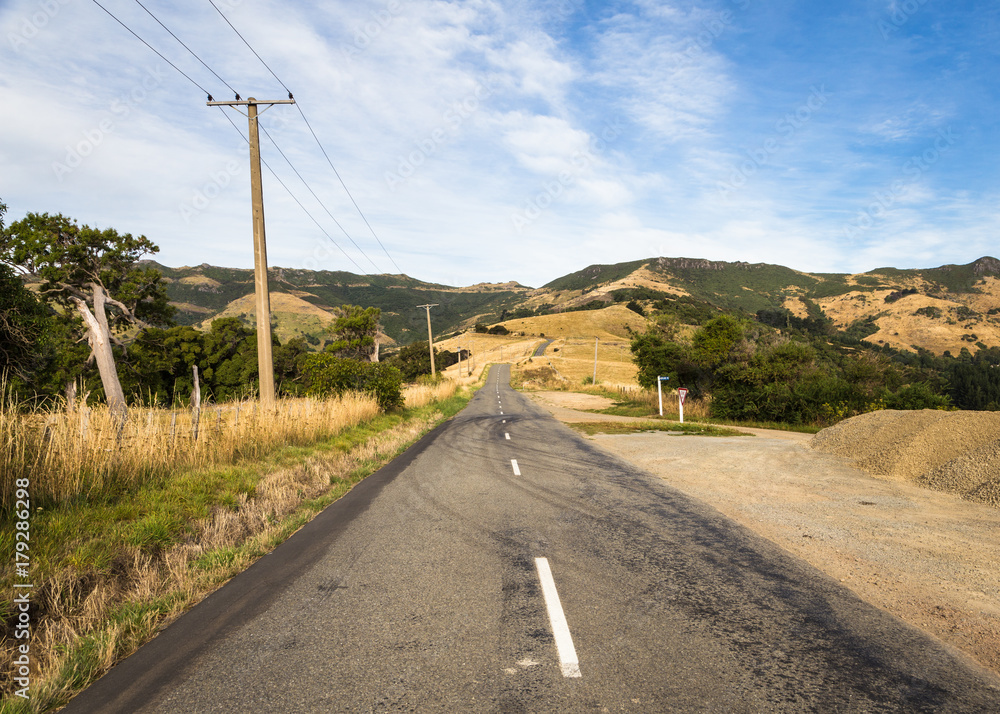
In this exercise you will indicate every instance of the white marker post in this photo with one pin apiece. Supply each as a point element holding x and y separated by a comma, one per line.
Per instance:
<point>681,396</point>
<point>659,390</point>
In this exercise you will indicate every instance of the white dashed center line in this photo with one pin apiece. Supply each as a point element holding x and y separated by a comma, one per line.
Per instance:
<point>506,436</point>
<point>517,471</point>
<point>560,629</point>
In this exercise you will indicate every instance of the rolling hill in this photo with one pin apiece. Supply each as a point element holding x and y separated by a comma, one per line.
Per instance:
<point>939,309</point>
<point>204,292</point>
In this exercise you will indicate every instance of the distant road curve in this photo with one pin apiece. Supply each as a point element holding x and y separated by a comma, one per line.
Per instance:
<point>540,352</point>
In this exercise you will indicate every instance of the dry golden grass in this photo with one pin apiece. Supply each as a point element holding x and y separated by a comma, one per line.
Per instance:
<point>606,324</point>
<point>574,360</point>
<point>486,350</point>
<point>420,395</point>
<point>75,604</point>
<point>537,375</point>
<point>694,410</point>
<point>900,326</point>
<point>88,452</point>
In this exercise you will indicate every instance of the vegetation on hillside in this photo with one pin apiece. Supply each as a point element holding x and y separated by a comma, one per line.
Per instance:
<point>774,366</point>
<point>693,289</point>
<point>395,295</point>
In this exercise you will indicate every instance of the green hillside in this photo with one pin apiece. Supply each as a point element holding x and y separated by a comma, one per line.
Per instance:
<point>204,290</point>
<point>594,275</point>
<point>692,288</point>
<point>734,286</point>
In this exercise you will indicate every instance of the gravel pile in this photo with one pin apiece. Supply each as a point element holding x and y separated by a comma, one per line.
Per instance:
<point>958,452</point>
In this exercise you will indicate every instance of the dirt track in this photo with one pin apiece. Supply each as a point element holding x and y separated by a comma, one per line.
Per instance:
<point>928,557</point>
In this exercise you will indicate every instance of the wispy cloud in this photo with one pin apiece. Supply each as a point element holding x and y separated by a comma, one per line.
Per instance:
<point>605,129</point>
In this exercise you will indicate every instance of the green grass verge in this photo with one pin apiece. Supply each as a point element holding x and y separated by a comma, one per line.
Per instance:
<point>773,425</point>
<point>640,410</point>
<point>618,427</point>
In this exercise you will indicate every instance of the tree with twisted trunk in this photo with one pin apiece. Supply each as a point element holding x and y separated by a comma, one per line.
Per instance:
<point>95,275</point>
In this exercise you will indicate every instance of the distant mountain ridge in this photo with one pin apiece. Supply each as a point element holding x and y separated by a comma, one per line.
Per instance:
<point>942,308</point>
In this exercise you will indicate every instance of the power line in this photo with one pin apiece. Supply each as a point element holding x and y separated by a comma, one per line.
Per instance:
<point>273,173</point>
<point>318,143</point>
<point>186,47</point>
<point>153,48</point>
<point>306,183</point>
<point>205,91</point>
<point>294,197</point>
<point>251,48</point>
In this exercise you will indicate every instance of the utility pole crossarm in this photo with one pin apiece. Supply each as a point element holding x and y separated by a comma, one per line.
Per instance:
<point>246,102</point>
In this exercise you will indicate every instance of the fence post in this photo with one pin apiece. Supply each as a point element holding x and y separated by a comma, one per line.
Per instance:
<point>195,405</point>
<point>173,427</point>
<point>71,397</point>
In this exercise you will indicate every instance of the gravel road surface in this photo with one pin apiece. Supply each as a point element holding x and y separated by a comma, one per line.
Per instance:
<point>925,556</point>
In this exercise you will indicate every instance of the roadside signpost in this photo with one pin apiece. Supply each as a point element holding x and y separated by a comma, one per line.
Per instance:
<point>659,390</point>
<point>682,393</point>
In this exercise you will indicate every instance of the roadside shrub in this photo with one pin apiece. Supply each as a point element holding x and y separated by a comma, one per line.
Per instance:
<point>916,396</point>
<point>327,375</point>
<point>779,383</point>
<point>656,356</point>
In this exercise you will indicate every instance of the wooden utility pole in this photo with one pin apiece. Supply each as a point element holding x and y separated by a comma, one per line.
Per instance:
<point>430,336</point>
<point>265,361</point>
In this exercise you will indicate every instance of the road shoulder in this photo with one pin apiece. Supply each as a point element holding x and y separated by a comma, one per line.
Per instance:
<point>925,556</point>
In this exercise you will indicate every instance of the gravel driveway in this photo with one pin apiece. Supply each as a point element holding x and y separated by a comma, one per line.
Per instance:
<point>928,557</point>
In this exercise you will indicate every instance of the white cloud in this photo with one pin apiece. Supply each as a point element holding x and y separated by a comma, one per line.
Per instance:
<point>543,144</point>
<point>668,75</point>
<point>642,108</point>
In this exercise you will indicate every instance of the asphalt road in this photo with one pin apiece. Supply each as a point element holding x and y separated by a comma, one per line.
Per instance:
<point>540,351</point>
<point>421,591</point>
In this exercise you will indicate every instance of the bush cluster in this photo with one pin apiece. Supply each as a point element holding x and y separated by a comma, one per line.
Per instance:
<point>753,373</point>
<point>328,375</point>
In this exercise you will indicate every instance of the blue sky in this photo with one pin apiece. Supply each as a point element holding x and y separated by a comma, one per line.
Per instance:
<point>489,141</point>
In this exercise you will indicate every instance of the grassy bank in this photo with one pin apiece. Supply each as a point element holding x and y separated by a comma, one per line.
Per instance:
<point>643,404</point>
<point>111,566</point>
<point>614,427</point>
